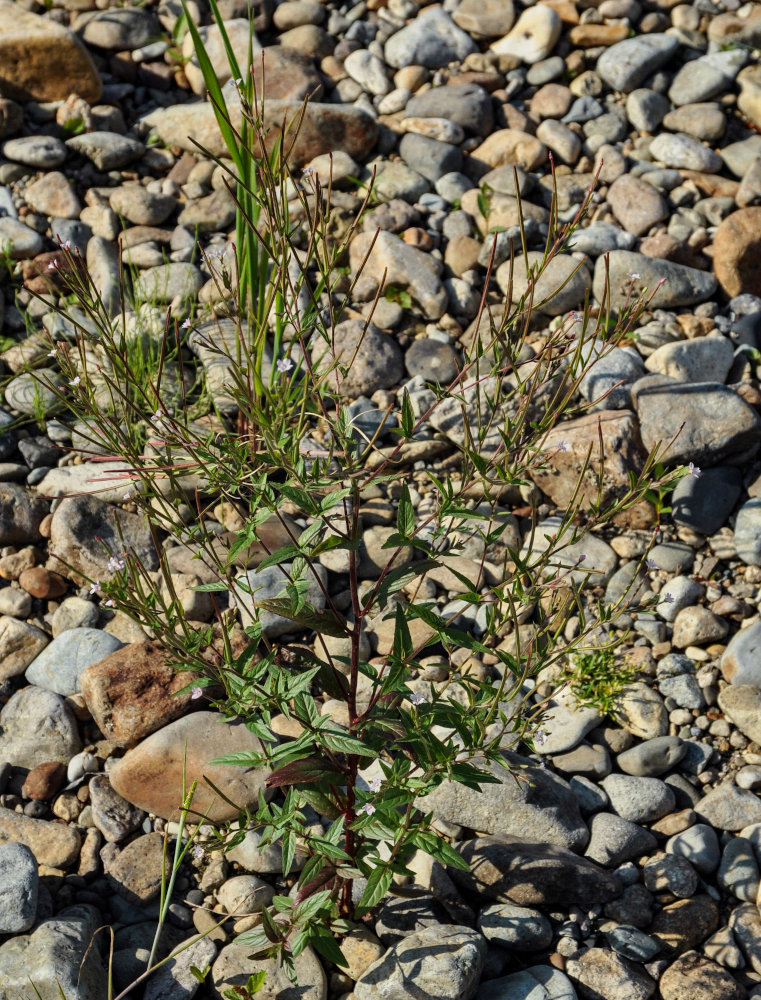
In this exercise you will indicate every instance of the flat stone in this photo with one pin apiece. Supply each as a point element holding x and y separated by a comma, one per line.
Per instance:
<point>167,282</point>
<point>20,644</point>
<point>85,531</point>
<point>652,757</point>
<point>639,800</point>
<point>53,844</point>
<point>728,807</point>
<point>704,504</point>
<point>745,925</point>
<point>636,204</point>
<point>706,359</point>
<point>670,873</point>
<point>373,358</point>
<point>507,869</point>
<point>539,806</point>
<point>112,815</point>
<point>150,776</point>
<point>561,287</point>
<point>175,979</point>
<point>683,152</point>
<point>540,982</point>
<point>394,262</point>
<point>672,284</point>
<point>641,711</point>
<point>511,926</point>
<point>533,37</point>
<point>53,195</point>
<point>107,150</point>
<point>738,871</point>
<point>60,665</point>
<point>22,243</point>
<point>702,423</point>
<point>741,660</point>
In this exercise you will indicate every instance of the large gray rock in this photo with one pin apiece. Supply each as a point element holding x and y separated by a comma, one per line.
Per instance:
<point>85,531</point>
<point>528,802</point>
<point>540,982</point>
<point>443,961</point>
<point>509,870</point>
<point>741,704</point>
<point>52,959</point>
<point>37,726</point>
<point>391,261</point>
<point>702,423</point>
<point>603,973</point>
<point>21,514</point>
<point>673,284</point>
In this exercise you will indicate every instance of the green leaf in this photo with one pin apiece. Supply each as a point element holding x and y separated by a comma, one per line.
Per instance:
<point>255,982</point>
<point>209,587</point>
<point>241,758</point>
<point>399,578</point>
<point>407,418</point>
<point>403,646</point>
<point>199,975</point>
<point>378,881</point>
<point>405,515</point>
<point>439,849</point>
<point>284,554</point>
<point>342,743</point>
<point>289,849</point>
<point>324,942</point>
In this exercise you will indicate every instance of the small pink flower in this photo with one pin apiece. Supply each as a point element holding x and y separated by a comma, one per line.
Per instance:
<point>695,470</point>
<point>375,783</point>
<point>109,603</point>
<point>284,365</point>
<point>95,587</point>
<point>76,380</point>
<point>416,699</point>
<point>368,809</point>
<point>196,693</point>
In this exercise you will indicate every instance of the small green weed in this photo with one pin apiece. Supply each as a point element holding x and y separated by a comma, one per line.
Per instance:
<point>597,679</point>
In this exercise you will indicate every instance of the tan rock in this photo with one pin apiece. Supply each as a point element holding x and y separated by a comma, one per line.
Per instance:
<point>693,977</point>
<point>686,923</point>
<point>736,252</point>
<point>151,775</point>
<point>40,60</point>
<point>53,195</point>
<point>508,146</point>
<point>51,843</point>
<point>134,691</point>
<point>561,469</point>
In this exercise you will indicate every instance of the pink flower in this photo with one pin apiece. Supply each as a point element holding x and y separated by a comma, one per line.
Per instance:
<point>375,783</point>
<point>196,693</point>
<point>368,809</point>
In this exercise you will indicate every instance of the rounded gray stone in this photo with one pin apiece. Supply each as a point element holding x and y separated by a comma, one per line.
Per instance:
<point>18,888</point>
<point>37,726</point>
<point>640,800</point>
<point>511,926</point>
<point>652,757</point>
<point>614,840</point>
<point>699,845</point>
<point>59,666</point>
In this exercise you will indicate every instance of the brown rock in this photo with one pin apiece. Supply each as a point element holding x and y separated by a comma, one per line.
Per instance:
<point>551,101</point>
<point>636,204</point>
<point>42,279</point>
<point>325,128</point>
<point>462,254</point>
<point>151,775</point>
<point>44,781</point>
<point>686,923</point>
<point>42,583</point>
<point>134,691</point>
<point>135,873</point>
<point>51,843</point>
<point>621,445</point>
<point>736,252</point>
<point>588,36</point>
<point>508,147</point>
<point>693,977</point>
<point>40,60</point>
<point>508,870</point>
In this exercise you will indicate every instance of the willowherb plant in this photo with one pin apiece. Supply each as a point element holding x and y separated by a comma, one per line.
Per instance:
<point>281,450</point>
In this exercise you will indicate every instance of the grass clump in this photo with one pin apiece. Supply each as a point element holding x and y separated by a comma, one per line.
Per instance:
<point>597,678</point>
